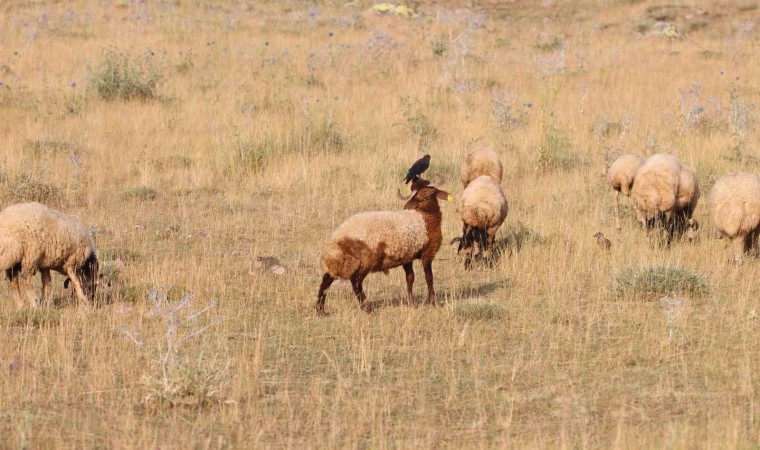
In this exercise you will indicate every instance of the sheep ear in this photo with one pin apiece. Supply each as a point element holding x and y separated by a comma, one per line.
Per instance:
<point>443,195</point>
<point>412,203</point>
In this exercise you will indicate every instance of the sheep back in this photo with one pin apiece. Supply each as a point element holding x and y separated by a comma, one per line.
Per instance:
<point>482,203</point>
<point>481,161</point>
<point>735,204</point>
<point>49,239</point>
<point>622,171</point>
<point>656,184</point>
<point>374,241</point>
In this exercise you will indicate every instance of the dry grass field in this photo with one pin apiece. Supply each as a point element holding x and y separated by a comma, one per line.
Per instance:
<point>198,136</point>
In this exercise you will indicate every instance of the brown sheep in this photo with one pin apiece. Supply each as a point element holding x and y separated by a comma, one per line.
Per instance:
<point>381,240</point>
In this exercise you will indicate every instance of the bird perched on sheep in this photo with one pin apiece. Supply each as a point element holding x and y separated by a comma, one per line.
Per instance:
<point>483,208</point>
<point>382,240</point>
<point>620,176</point>
<point>418,168</point>
<point>480,161</point>
<point>735,210</point>
<point>34,237</point>
<point>665,192</point>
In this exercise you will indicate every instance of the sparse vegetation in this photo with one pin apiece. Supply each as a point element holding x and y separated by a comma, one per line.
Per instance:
<point>121,76</point>
<point>555,150</point>
<point>659,280</point>
<point>197,137</point>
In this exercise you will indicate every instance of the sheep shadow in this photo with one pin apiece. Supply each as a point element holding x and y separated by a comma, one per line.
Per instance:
<point>444,296</point>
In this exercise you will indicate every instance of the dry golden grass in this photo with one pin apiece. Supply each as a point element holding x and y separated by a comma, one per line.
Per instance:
<point>273,131</point>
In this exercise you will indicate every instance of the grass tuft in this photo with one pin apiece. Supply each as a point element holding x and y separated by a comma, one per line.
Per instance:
<point>479,311</point>
<point>659,280</point>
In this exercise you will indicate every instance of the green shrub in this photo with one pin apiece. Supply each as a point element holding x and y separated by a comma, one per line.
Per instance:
<point>123,77</point>
<point>26,188</point>
<point>555,150</point>
<point>659,280</point>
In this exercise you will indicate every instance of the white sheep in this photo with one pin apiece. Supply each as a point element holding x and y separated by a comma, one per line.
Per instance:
<point>735,210</point>
<point>34,237</point>
<point>481,161</point>
<point>483,208</point>
<point>381,240</point>
<point>665,190</point>
<point>688,196</point>
<point>620,176</point>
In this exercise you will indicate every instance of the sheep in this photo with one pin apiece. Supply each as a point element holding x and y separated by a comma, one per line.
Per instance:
<point>686,201</point>
<point>735,210</point>
<point>480,161</point>
<point>382,240</point>
<point>620,176</point>
<point>483,208</point>
<point>34,237</point>
<point>665,190</point>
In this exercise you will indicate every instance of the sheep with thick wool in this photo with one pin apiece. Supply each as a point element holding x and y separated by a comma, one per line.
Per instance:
<point>382,240</point>
<point>483,208</point>
<point>665,191</point>
<point>620,176</point>
<point>481,161</point>
<point>34,237</point>
<point>735,210</point>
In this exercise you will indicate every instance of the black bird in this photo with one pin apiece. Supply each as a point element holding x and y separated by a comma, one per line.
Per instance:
<point>420,166</point>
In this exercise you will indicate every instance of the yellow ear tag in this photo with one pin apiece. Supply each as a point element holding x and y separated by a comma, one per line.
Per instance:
<point>450,198</point>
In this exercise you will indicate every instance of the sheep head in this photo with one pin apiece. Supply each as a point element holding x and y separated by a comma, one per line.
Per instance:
<point>424,195</point>
<point>88,276</point>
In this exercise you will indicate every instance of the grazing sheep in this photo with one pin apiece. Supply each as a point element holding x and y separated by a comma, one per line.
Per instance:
<point>480,161</point>
<point>735,210</point>
<point>483,208</point>
<point>620,176</point>
<point>686,201</point>
<point>665,191</point>
<point>34,237</point>
<point>381,240</point>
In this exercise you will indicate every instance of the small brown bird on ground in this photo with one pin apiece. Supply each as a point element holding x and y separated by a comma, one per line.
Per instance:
<point>602,241</point>
<point>692,230</point>
<point>420,166</point>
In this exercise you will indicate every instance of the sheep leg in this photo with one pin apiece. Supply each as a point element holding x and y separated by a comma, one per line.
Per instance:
<point>45,276</point>
<point>617,210</point>
<point>409,270</point>
<point>468,257</point>
<point>740,244</point>
<point>327,280</point>
<point>490,238</point>
<point>16,288</point>
<point>77,285</point>
<point>429,280</point>
<point>356,282</point>
<point>25,288</point>
<point>753,248</point>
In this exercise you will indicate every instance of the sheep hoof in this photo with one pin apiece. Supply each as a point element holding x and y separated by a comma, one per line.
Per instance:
<point>321,312</point>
